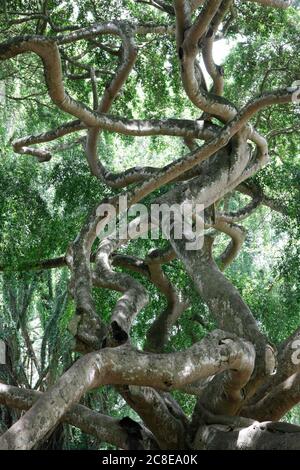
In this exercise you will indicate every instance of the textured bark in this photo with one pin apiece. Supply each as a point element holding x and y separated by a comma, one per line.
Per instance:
<point>217,352</point>
<point>259,436</point>
<point>277,402</point>
<point>158,334</point>
<point>230,373</point>
<point>103,427</point>
<point>158,415</point>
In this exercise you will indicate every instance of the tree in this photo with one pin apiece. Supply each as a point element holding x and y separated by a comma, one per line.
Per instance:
<point>107,72</point>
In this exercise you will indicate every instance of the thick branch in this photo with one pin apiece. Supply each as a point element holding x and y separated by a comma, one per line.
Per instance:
<point>226,305</point>
<point>237,235</point>
<point>99,218</point>
<point>215,71</point>
<point>134,296</point>
<point>121,365</point>
<point>22,145</point>
<point>275,404</point>
<point>255,192</point>
<point>274,3</point>
<point>288,365</point>
<point>158,334</point>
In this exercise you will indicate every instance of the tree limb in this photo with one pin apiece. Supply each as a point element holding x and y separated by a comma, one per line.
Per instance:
<point>124,366</point>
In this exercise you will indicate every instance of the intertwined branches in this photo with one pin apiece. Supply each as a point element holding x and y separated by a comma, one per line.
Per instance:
<point>224,151</point>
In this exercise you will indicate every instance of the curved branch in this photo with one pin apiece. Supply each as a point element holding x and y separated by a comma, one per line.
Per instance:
<point>187,45</point>
<point>288,365</point>
<point>122,260</point>
<point>237,235</point>
<point>124,366</point>
<point>275,404</point>
<point>197,30</point>
<point>243,213</point>
<point>160,5</point>
<point>103,427</point>
<point>129,55</point>
<point>158,333</point>
<point>134,296</point>
<point>135,127</point>
<point>97,219</point>
<point>215,71</point>
<point>273,3</point>
<point>252,190</point>
<point>227,307</point>
<point>21,145</point>
<point>158,415</point>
